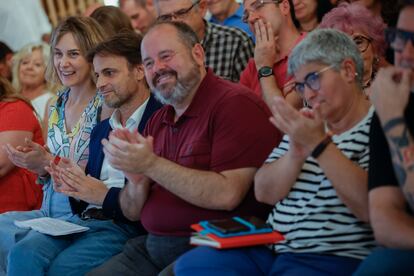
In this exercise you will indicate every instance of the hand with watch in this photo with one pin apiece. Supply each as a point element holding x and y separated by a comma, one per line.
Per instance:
<point>265,71</point>
<point>265,51</point>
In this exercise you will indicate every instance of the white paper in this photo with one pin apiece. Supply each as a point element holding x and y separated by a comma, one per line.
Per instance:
<point>51,226</point>
<point>199,239</point>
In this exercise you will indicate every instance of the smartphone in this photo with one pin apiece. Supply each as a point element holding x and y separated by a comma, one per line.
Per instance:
<point>228,226</point>
<point>232,226</point>
<point>258,223</point>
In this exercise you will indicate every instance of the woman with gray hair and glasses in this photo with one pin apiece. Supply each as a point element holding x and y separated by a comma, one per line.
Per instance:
<point>316,179</point>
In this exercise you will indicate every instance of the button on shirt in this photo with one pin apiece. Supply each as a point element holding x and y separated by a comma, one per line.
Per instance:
<point>110,176</point>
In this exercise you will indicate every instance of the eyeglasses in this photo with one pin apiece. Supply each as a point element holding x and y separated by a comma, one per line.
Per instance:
<point>178,14</point>
<point>362,42</point>
<point>398,38</point>
<point>258,4</point>
<point>312,80</point>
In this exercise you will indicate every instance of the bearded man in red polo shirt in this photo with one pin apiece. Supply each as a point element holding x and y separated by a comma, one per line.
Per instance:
<point>198,155</point>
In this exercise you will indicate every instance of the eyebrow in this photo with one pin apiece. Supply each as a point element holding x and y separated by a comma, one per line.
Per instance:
<point>68,51</point>
<point>106,69</point>
<point>146,59</point>
<point>165,51</point>
<point>160,53</point>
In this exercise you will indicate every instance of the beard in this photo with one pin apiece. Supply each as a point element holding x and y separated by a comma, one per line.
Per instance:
<point>115,100</point>
<point>173,94</point>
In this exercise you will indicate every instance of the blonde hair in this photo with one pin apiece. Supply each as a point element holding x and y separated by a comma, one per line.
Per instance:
<point>86,32</point>
<point>24,52</point>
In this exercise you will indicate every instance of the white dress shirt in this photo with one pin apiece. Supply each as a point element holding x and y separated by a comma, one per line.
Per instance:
<point>110,176</point>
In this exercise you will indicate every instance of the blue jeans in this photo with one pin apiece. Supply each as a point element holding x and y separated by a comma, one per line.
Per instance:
<point>385,261</point>
<point>11,234</point>
<point>28,252</point>
<point>261,261</point>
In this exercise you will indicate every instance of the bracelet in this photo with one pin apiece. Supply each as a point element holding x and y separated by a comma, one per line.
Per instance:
<point>393,123</point>
<point>317,151</point>
<point>43,179</point>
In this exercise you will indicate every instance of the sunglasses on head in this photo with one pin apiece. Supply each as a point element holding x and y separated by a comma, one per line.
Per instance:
<point>398,38</point>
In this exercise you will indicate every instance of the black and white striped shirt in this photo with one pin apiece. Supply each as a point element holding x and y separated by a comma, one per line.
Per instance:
<point>312,217</point>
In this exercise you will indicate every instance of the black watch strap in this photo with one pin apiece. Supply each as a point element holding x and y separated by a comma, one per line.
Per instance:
<point>264,71</point>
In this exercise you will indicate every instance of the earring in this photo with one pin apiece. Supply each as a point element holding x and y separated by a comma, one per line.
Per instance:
<point>376,61</point>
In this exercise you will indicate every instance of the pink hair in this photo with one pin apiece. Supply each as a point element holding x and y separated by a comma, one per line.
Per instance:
<point>348,17</point>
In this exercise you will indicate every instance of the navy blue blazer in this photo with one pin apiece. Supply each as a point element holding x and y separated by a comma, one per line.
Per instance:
<point>110,206</point>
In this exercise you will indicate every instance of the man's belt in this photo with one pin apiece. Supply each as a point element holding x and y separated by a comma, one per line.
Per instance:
<point>94,213</point>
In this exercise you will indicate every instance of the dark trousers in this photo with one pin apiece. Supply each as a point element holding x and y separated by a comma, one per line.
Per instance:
<point>205,261</point>
<point>387,261</point>
<point>144,255</point>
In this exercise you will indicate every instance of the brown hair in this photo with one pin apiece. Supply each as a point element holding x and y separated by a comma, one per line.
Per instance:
<point>9,94</point>
<point>86,32</point>
<point>112,20</point>
<point>125,44</point>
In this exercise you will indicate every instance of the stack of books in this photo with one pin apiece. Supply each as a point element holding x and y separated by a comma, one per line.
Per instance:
<point>234,232</point>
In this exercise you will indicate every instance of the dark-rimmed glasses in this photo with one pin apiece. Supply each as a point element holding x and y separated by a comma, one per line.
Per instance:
<point>257,5</point>
<point>362,42</point>
<point>312,80</point>
<point>398,38</point>
<point>178,14</point>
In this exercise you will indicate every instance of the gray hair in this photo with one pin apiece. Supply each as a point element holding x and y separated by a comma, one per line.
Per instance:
<point>327,46</point>
<point>184,32</point>
<point>157,4</point>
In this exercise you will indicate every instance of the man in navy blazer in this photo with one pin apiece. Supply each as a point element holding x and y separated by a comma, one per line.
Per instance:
<point>120,80</point>
<point>110,204</point>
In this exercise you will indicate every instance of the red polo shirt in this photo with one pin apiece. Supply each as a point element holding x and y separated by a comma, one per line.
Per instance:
<point>249,76</point>
<point>225,127</point>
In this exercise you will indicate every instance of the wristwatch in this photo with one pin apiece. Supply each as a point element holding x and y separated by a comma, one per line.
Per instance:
<point>265,71</point>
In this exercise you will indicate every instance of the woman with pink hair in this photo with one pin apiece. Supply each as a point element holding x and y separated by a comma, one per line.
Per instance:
<point>367,31</point>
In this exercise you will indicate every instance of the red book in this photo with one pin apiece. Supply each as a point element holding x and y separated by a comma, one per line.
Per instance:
<point>212,240</point>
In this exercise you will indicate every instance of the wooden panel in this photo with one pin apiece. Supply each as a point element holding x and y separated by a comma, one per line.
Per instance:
<point>56,10</point>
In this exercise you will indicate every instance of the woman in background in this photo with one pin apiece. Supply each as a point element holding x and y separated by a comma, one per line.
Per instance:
<point>29,66</point>
<point>387,9</point>
<point>18,188</point>
<point>309,13</point>
<point>367,31</point>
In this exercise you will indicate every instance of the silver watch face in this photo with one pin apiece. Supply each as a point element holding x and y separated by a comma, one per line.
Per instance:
<point>265,71</point>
